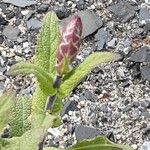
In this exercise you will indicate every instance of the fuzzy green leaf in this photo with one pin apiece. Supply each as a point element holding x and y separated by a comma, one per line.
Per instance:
<point>31,139</point>
<point>83,69</point>
<point>44,79</point>
<point>6,101</point>
<point>48,41</point>
<point>19,121</point>
<point>99,143</point>
<point>3,143</point>
<point>45,56</point>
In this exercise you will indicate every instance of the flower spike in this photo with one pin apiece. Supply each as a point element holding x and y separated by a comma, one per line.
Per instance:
<point>69,45</point>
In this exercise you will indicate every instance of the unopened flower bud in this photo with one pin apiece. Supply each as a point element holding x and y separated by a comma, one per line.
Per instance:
<point>69,45</point>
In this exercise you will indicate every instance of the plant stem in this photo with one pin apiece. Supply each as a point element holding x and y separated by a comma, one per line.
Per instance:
<point>50,99</point>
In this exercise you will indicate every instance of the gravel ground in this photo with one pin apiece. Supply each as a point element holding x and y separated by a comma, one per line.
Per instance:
<point>114,99</point>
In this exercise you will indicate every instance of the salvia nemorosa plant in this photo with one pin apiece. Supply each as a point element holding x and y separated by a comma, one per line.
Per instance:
<point>28,119</point>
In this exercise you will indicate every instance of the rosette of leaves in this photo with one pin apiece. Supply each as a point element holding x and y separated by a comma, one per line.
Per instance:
<point>27,118</point>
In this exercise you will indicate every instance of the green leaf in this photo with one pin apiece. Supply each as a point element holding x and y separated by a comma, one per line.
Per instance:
<point>19,121</point>
<point>45,56</point>
<point>3,143</point>
<point>99,143</point>
<point>6,101</point>
<point>44,79</point>
<point>31,139</point>
<point>48,41</point>
<point>83,69</point>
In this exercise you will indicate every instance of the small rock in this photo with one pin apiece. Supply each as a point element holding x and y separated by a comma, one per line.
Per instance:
<point>124,45</point>
<point>20,3</point>
<point>104,108</point>
<point>145,146</point>
<point>84,132</point>
<point>43,8</point>
<point>69,106</point>
<point>81,5</point>
<point>145,72</point>
<point>112,43</point>
<point>143,55</point>
<point>3,21</point>
<point>33,24</point>
<point>10,15</point>
<point>101,37</point>
<point>11,32</point>
<point>3,7</point>
<point>127,108</point>
<point>62,12</point>
<point>125,84</point>
<point>1,39</point>
<point>145,103</point>
<point>123,11</point>
<point>89,95</point>
<point>144,16</point>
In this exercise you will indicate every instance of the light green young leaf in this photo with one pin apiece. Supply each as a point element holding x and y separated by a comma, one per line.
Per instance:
<point>45,56</point>
<point>99,143</point>
<point>31,139</point>
<point>44,79</point>
<point>19,121</point>
<point>83,69</point>
<point>6,101</point>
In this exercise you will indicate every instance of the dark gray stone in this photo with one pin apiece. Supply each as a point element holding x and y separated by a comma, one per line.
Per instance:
<point>143,55</point>
<point>144,16</point>
<point>3,21</point>
<point>62,12</point>
<point>43,8</point>
<point>69,106</point>
<point>33,24</point>
<point>3,7</point>
<point>89,95</point>
<point>101,38</point>
<point>123,11</point>
<point>11,32</point>
<point>21,3</point>
<point>1,39</point>
<point>91,22</point>
<point>85,132</point>
<point>145,72</point>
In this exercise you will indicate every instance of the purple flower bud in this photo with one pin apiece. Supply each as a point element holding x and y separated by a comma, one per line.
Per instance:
<point>69,45</point>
